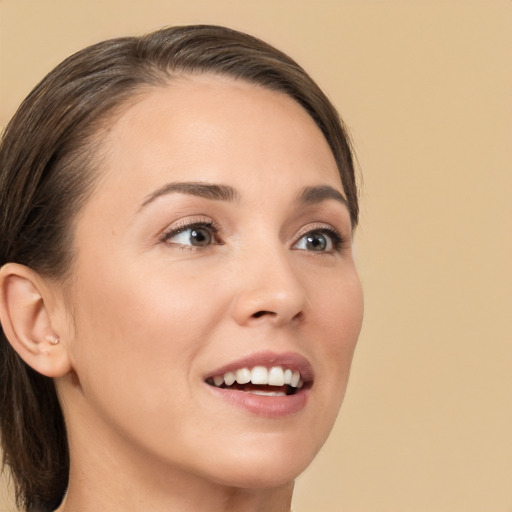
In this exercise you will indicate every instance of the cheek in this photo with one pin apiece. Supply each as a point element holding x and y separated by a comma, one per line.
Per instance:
<point>122,301</point>
<point>138,326</point>
<point>340,309</point>
<point>340,315</point>
<point>137,335</point>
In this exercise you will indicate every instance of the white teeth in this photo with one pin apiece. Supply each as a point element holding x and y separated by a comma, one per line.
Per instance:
<point>266,393</point>
<point>243,376</point>
<point>259,375</point>
<point>276,376</point>
<point>218,380</point>
<point>229,378</point>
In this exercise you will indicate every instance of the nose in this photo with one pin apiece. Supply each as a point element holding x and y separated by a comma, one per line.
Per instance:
<point>268,289</point>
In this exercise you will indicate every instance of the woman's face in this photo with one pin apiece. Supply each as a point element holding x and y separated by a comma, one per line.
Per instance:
<point>217,241</point>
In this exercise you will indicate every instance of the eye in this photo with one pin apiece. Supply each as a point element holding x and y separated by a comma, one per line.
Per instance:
<point>319,240</point>
<point>196,235</point>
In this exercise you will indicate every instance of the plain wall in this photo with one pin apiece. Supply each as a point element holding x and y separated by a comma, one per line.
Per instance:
<point>424,87</point>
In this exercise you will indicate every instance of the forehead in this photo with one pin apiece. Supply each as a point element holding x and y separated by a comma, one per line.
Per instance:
<point>209,123</point>
<point>208,129</point>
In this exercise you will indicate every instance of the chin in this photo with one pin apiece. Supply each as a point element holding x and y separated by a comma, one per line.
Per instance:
<point>265,463</point>
<point>264,476</point>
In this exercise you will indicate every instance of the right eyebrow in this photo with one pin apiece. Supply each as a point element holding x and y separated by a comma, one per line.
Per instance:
<point>317,194</point>
<point>213,191</point>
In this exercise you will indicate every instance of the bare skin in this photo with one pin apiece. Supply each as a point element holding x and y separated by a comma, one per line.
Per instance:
<point>218,233</point>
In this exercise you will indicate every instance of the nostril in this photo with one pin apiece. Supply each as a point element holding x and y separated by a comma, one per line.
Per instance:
<point>259,314</point>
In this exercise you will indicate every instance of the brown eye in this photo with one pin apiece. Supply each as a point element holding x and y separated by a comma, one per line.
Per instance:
<point>196,235</point>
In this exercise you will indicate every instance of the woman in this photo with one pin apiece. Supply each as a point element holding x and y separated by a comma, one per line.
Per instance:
<point>179,298</point>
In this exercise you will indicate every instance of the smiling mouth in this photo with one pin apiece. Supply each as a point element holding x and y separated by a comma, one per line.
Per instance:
<point>259,380</point>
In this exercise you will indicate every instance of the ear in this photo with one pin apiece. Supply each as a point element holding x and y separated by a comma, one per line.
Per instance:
<point>26,319</point>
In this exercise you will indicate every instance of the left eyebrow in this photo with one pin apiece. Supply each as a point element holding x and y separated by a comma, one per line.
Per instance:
<point>195,188</point>
<point>315,195</point>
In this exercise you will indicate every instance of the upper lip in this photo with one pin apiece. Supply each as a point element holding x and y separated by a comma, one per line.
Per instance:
<point>290,360</point>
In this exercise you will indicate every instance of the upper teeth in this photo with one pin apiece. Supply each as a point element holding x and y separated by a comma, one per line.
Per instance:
<point>260,375</point>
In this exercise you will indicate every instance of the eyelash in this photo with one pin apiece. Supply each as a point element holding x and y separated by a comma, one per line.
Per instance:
<point>338,240</point>
<point>190,225</point>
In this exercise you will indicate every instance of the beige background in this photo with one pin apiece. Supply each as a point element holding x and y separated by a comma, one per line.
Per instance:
<point>425,88</point>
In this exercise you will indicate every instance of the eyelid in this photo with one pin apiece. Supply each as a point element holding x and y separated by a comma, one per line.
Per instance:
<point>188,223</point>
<point>339,239</point>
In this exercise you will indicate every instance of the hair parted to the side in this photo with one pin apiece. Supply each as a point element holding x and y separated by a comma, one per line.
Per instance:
<point>50,157</point>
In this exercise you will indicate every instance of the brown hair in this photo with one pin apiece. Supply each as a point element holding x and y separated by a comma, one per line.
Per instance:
<point>47,170</point>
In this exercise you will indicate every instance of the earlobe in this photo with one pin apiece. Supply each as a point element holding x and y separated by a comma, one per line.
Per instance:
<point>27,323</point>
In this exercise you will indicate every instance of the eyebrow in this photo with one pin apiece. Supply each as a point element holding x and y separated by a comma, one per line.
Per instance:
<point>195,188</point>
<point>307,196</point>
<point>315,195</point>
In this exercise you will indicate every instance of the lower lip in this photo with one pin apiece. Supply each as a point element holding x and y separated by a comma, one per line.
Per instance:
<point>267,406</point>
